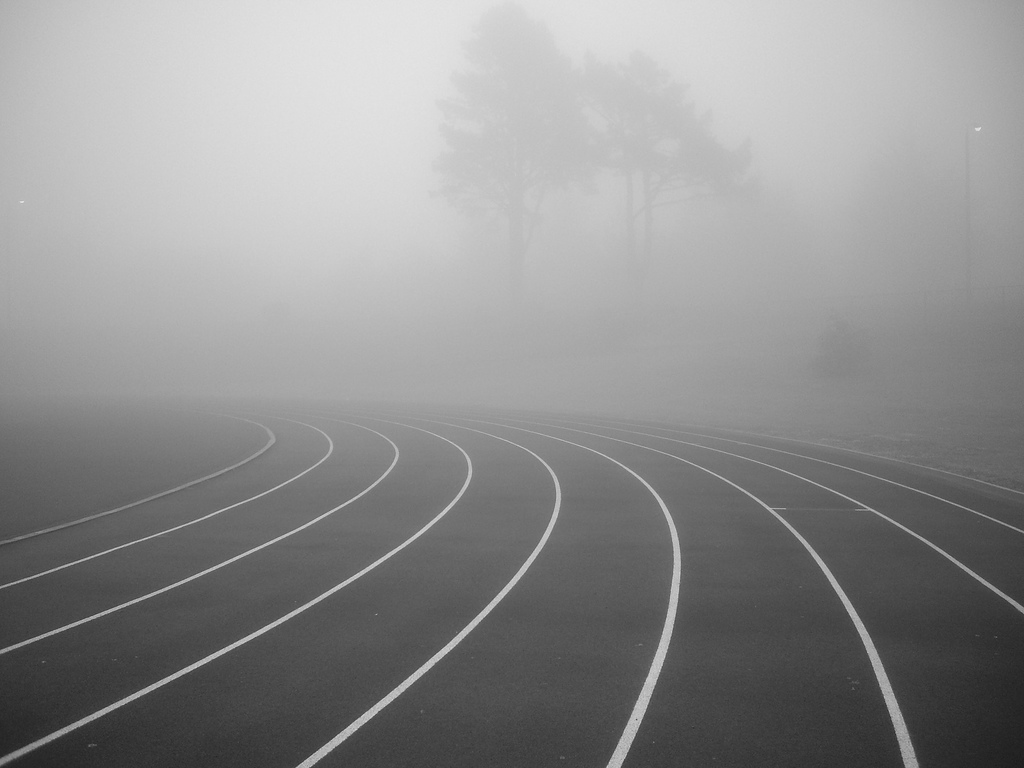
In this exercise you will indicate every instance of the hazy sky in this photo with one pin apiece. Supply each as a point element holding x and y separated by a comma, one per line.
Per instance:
<point>230,152</point>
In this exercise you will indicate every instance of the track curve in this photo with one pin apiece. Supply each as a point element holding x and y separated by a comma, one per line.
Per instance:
<point>484,588</point>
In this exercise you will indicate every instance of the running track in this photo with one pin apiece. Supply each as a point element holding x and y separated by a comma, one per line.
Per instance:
<point>395,587</point>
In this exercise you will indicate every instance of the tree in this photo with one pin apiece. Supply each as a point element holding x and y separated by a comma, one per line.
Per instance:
<point>515,129</point>
<point>650,134</point>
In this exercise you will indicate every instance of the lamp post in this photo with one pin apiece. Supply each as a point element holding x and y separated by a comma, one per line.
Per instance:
<point>968,257</point>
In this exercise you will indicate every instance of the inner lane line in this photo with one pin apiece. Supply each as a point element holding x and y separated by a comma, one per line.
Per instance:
<point>976,576</point>
<point>217,566</point>
<point>952,503</point>
<point>43,741</point>
<point>820,509</point>
<point>899,724</point>
<point>61,526</point>
<point>330,450</point>
<point>398,690</point>
<point>661,652</point>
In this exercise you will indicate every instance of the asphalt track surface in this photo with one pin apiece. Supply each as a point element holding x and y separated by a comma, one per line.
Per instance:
<point>394,587</point>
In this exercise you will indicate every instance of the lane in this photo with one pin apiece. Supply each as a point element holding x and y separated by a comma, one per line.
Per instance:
<point>660,743</point>
<point>917,470</point>
<point>96,586</point>
<point>950,529</point>
<point>72,563</point>
<point>948,642</point>
<point>556,669</point>
<point>1004,506</point>
<point>329,660</point>
<point>163,648</point>
<point>636,716</point>
<point>64,461</point>
<point>983,530</point>
<point>198,574</point>
<point>296,449</point>
<point>271,439</point>
<point>953,530</point>
<point>826,610</point>
<point>428,665</point>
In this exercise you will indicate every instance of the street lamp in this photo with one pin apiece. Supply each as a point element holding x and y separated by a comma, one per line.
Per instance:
<point>967,209</point>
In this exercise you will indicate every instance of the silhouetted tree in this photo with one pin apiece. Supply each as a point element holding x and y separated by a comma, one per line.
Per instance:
<point>648,132</point>
<point>515,129</point>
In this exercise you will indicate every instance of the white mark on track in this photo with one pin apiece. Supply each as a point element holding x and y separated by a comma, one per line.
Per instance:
<point>180,582</point>
<point>373,711</point>
<point>852,469</point>
<point>661,652</point>
<point>863,507</point>
<point>330,450</point>
<point>888,694</point>
<point>41,742</point>
<point>977,577</point>
<point>155,496</point>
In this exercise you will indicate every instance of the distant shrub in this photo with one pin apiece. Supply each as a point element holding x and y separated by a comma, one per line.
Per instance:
<point>841,349</point>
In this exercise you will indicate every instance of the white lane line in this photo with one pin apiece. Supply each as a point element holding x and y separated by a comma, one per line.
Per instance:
<point>675,430</point>
<point>888,694</point>
<point>330,450</point>
<point>882,458</point>
<point>820,509</point>
<point>271,440</point>
<point>12,756</point>
<point>647,691</point>
<point>977,577</point>
<point>373,711</point>
<point>212,568</point>
<point>857,471</point>
<point>957,475</point>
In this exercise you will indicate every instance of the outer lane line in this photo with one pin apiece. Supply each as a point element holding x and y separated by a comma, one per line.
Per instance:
<point>977,577</point>
<point>847,468</point>
<point>647,691</point>
<point>398,690</point>
<point>211,569</point>
<point>330,450</point>
<point>189,484</point>
<point>849,450</point>
<point>888,694</point>
<point>41,742</point>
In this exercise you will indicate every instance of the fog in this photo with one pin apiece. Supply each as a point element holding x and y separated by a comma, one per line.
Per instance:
<point>241,198</point>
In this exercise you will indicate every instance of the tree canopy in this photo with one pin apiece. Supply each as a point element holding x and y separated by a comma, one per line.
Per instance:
<point>523,121</point>
<point>515,128</point>
<point>649,132</point>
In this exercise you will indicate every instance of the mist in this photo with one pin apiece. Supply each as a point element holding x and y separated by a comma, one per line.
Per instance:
<point>241,198</point>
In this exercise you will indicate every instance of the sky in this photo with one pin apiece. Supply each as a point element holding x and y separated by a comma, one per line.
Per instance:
<point>175,162</point>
